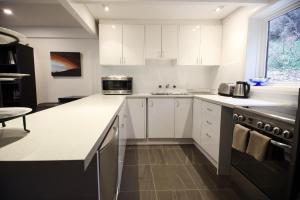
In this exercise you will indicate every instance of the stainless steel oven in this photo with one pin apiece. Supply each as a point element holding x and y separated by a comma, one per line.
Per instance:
<point>117,84</point>
<point>273,175</point>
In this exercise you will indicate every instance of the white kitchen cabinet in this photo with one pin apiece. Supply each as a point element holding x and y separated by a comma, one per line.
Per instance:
<point>153,41</point>
<point>210,129</point>
<point>133,44</point>
<point>183,117</point>
<point>161,41</point>
<point>197,120</point>
<point>161,118</point>
<point>110,41</point>
<point>211,42</point>
<point>189,45</point>
<point>169,41</point>
<point>137,118</point>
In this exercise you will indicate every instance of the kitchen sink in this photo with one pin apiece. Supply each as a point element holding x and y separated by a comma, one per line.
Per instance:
<point>169,93</point>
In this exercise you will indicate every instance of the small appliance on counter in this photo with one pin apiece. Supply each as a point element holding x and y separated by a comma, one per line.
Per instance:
<point>241,90</point>
<point>117,84</point>
<point>226,89</point>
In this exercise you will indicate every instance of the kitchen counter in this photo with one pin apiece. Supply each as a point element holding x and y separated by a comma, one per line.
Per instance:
<point>71,131</point>
<point>74,131</point>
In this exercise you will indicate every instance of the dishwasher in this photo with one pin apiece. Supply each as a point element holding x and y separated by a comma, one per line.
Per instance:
<point>108,163</point>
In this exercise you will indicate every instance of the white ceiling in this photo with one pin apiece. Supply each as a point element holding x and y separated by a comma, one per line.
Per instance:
<point>160,10</point>
<point>36,13</point>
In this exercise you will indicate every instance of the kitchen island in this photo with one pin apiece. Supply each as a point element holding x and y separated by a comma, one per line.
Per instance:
<point>58,158</point>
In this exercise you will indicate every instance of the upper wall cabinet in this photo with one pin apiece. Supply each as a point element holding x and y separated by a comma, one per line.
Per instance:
<point>211,44</point>
<point>121,44</point>
<point>200,45</point>
<point>161,41</point>
<point>133,45</point>
<point>189,45</point>
<point>110,39</point>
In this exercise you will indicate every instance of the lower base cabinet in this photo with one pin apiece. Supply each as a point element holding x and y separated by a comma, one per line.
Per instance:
<point>160,118</point>
<point>136,118</point>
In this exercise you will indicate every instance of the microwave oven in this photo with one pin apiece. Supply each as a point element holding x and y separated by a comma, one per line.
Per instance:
<point>117,84</point>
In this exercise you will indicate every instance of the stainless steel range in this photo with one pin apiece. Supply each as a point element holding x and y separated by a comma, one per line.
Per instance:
<point>274,174</point>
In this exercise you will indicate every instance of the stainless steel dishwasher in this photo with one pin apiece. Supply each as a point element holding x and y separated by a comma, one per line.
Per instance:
<point>108,163</point>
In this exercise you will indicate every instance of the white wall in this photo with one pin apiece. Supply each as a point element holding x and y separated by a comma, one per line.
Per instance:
<point>235,29</point>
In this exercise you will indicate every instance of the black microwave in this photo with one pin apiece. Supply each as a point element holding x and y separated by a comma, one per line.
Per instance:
<point>117,85</point>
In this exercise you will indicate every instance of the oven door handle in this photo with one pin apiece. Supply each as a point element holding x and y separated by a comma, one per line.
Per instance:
<point>281,145</point>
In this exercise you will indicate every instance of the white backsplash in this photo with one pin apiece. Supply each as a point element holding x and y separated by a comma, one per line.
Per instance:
<point>147,78</point>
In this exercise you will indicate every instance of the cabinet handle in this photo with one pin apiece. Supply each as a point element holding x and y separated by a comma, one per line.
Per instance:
<point>208,135</point>
<point>151,103</point>
<point>208,122</point>
<point>209,109</point>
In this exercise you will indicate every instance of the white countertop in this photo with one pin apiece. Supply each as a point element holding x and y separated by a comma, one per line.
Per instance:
<point>74,131</point>
<point>71,131</point>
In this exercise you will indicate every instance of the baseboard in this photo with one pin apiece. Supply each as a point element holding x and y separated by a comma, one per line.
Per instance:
<point>160,141</point>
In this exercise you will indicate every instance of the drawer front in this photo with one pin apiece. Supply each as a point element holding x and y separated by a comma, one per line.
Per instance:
<point>211,115</point>
<point>210,109</point>
<point>210,142</point>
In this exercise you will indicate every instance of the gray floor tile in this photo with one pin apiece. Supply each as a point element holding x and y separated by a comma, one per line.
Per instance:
<point>136,178</point>
<point>206,177</point>
<point>189,155</point>
<point>179,195</point>
<point>172,177</point>
<point>226,194</point>
<point>136,156</point>
<point>138,195</point>
<point>164,156</point>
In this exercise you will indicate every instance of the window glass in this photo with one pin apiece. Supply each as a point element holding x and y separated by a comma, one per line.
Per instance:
<point>283,56</point>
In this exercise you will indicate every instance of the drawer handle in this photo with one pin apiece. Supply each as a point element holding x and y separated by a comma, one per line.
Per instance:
<point>209,109</point>
<point>208,135</point>
<point>208,122</point>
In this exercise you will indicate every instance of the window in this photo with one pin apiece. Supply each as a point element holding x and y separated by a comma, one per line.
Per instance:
<point>283,53</point>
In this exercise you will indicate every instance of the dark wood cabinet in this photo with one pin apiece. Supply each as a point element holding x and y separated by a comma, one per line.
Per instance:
<point>18,58</point>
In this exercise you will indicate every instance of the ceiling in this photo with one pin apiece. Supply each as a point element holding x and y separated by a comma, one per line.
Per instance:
<point>36,13</point>
<point>160,10</point>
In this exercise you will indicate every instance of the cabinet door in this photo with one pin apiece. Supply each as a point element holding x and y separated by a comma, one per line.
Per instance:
<point>183,117</point>
<point>133,45</point>
<point>189,45</point>
<point>110,41</point>
<point>153,41</point>
<point>137,115</point>
<point>160,118</point>
<point>211,41</point>
<point>197,120</point>
<point>170,41</point>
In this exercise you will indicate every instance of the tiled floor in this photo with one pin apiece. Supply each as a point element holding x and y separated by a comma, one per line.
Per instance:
<point>171,172</point>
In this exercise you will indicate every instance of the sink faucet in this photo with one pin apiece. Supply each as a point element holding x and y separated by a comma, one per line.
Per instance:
<point>168,85</point>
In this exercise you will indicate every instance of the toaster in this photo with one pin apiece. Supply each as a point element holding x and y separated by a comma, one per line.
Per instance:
<point>226,89</point>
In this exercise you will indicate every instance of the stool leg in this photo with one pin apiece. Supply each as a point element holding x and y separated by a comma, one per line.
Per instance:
<point>24,124</point>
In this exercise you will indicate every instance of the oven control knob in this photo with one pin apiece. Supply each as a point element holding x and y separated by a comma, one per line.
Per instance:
<point>235,118</point>
<point>242,118</point>
<point>277,131</point>
<point>287,134</point>
<point>268,127</point>
<point>260,124</point>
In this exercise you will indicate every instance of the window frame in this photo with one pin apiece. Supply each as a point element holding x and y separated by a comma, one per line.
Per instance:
<point>262,71</point>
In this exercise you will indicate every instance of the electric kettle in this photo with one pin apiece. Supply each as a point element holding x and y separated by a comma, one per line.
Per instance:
<point>241,90</point>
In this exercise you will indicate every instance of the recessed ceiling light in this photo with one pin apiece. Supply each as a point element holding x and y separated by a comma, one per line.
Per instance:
<point>7,11</point>
<point>106,8</point>
<point>218,9</point>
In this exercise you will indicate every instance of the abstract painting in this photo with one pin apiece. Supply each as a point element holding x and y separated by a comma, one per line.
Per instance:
<point>65,63</point>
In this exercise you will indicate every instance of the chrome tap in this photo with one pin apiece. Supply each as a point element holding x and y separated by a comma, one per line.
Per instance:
<point>167,85</point>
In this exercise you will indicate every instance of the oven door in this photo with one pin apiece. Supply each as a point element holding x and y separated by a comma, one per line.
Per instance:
<point>117,86</point>
<point>270,175</point>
